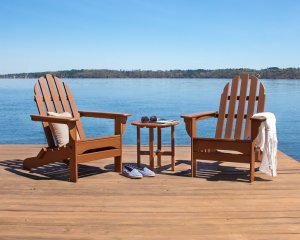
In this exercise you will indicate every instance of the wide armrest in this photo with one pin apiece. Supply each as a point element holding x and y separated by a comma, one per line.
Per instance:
<point>190,121</point>
<point>109,115</point>
<point>258,118</point>
<point>199,115</point>
<point>255,124</point>
<point>52,119</point>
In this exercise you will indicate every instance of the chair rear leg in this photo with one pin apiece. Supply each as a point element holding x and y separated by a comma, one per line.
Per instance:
<point>44,157</point>
<point>118,164</point>
<point>27,163</point>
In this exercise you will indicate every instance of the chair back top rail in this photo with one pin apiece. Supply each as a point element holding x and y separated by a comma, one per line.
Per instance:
<point>246,97</point>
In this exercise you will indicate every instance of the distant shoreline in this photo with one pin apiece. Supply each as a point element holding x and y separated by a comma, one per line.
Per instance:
<point>268,73</point>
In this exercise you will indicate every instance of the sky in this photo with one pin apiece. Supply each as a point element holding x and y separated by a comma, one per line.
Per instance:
<point>49,35</point>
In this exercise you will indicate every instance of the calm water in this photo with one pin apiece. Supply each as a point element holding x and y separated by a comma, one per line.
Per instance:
<point>167,98</point>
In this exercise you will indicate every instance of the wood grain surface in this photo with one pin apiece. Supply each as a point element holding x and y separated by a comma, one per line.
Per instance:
<point>217,204</point>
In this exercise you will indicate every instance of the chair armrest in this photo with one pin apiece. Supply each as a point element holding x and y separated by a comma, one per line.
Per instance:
<point>120,118</point>
<point>258,118</point>
<point>109,115</point>
<point>51,119</point>
<point>200,116</point>
<point>190,121</point>
<point>255,124</point>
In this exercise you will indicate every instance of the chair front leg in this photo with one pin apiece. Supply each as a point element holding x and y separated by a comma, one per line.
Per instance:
<point>252,162</point>
<point>118,163</point>
<point>255,125</point>
<point>194,166</point>
<point>190,126</point>
<point>120,126</point>
<point>73,152</point>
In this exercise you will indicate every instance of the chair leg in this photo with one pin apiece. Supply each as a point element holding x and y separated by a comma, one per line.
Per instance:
<point>45,157</point>
<point>73,170</point>
<point>194,167</point>
<point>252,165</point>
<point>28,162</point>
<point>118,164</point>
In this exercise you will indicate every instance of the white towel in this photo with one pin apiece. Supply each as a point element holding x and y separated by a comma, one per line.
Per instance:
<point>267,142</point>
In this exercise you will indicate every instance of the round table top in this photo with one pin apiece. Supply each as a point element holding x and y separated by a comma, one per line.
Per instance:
<point>155,124</point>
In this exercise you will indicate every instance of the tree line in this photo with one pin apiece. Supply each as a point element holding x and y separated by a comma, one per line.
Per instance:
<point>268,73</point>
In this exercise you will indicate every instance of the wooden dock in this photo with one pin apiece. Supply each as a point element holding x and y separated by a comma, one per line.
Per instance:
<point>218,204</point>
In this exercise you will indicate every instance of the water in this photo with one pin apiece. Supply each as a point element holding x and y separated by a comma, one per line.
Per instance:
<point>167,98</point>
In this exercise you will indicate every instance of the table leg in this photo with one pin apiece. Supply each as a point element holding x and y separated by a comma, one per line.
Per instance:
<point>158,146</point>
<point>173,147</point>
<point>138,150</point>
<point>151,147</point>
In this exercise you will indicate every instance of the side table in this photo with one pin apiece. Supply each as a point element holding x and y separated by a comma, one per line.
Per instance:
<point>158,152</point>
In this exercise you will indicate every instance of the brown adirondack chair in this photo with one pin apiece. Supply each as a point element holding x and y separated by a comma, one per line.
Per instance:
<point>246,97</point>
<point>51,95</point>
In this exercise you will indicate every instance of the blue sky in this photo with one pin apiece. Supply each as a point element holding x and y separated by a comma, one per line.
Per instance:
<point>44,35</point>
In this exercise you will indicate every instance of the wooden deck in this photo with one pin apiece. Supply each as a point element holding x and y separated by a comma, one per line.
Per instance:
<point>218,204</point>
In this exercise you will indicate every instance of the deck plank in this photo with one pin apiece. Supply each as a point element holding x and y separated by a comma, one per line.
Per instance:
<point>218,204</point>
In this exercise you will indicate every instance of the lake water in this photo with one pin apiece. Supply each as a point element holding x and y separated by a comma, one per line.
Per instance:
<point>167,98</point>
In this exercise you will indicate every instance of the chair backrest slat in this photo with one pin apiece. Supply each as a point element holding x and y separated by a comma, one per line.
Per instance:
<point>74,111</point>
<point>222,111</point>
<point>231,109</point>
<point>45,94</point>
<point>43,111</point>
<point>246,96</point>
<point>251,106</point>
<point>62,95</point>
<point>53,96</point>
<point>261,99</point>
<point>241,106</point>
<point>53,93</point>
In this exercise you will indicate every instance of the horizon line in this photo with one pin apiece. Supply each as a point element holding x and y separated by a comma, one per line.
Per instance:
<point>158,70</point>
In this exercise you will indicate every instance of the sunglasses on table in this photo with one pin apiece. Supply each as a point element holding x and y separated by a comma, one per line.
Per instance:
<point>145,119</point>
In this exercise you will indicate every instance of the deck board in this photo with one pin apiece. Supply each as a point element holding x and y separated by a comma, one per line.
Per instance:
<point>218,204</point>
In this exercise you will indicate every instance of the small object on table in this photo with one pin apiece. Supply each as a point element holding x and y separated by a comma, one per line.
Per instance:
<point>153,119</point>
<point>151,125</point>
<point>144,119</point>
